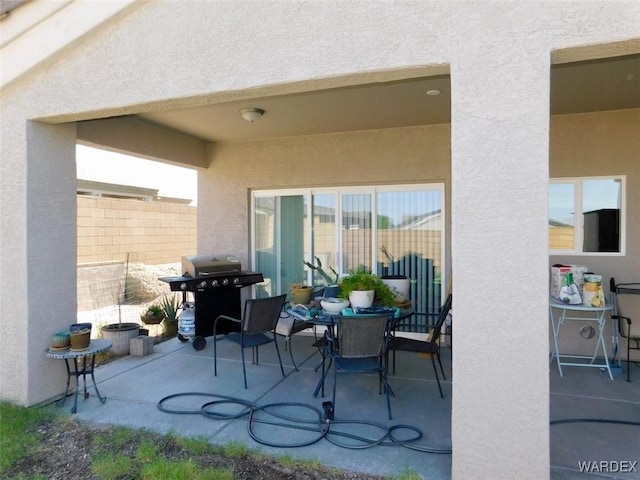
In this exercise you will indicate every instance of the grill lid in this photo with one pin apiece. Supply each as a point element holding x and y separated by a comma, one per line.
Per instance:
<point>206,265</point>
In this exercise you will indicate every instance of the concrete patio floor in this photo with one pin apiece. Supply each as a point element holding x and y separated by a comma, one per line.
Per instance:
<point>133,387</point>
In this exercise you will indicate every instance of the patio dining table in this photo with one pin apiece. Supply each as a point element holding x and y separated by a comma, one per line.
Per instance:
<point>328,320</point>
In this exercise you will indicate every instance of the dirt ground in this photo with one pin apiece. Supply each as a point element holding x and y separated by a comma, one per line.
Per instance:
<point>67,451</point>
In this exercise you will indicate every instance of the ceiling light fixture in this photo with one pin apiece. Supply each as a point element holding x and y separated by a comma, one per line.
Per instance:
<point>252,114</point>
<point>433,92</point>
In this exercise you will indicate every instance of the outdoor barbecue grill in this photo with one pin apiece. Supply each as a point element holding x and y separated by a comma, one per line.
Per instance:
<point>215,282</point>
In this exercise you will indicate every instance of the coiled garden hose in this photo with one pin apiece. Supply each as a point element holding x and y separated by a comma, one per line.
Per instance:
<point>313,420</point>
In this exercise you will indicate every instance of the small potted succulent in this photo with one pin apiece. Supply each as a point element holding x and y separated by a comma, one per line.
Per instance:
<point>153,315</point>
<point>170,306</point>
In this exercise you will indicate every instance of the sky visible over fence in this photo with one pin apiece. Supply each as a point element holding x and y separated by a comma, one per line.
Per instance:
<point>109,167</point>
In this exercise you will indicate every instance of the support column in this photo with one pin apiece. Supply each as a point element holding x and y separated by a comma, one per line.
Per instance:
<point>38,257</point>
<point>500,143</point>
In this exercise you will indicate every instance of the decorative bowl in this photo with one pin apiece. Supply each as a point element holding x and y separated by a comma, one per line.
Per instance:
<point>334,305</point>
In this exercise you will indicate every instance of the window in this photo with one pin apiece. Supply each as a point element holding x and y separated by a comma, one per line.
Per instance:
<point>586,215</point>
<point>395,230</point>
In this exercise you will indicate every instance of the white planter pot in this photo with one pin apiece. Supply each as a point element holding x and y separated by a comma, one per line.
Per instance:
<point>361,298</point>
<point>399,285</point>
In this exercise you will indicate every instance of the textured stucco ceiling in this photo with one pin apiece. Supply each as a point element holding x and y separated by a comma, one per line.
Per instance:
<point>599,85</point>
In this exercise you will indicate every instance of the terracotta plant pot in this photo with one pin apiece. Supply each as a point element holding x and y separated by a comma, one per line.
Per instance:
<point>301,295</point>
<point>80,339</point>
<point>149,319</point>
<point>170,328</point>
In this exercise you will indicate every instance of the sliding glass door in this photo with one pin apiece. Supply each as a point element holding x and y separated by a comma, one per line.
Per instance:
<point>395,230</point>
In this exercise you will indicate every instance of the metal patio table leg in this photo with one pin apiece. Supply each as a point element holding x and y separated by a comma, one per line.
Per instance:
<point>596,314</point>
<point>95,347</point>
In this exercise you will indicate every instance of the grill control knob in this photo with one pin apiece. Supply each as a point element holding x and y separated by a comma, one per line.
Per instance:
<point>236,280</point>
<point>202,284</point>
<point>214,283</point>
<point>225,281</point>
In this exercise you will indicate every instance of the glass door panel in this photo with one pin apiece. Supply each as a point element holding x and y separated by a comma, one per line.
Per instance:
<point>356,231</point>
<point>409,239</point>
<point>265,239</point>
<point>324,242</point>
<point>293,239</point>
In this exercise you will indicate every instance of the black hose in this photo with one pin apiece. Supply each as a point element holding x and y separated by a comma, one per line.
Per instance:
<point>294,423</point>
<point>323,427</point>
<point>318,424</point>
<point>594,420</point>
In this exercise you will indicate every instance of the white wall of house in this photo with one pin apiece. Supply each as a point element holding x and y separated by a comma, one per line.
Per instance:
<point>140,60</point>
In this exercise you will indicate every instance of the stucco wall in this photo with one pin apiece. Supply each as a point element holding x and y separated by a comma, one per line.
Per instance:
<point>380,157</point>
<point>604,143</point>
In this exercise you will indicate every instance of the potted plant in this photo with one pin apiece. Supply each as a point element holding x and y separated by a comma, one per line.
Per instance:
<point>399,284</point>
<point>153,315</point>
<point>170,306</point>
<point>301,293</point>
<point>331,288</point>
<point>363,288</point>
<point>120,333</point>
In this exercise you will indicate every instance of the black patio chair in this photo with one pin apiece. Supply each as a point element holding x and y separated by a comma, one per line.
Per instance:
<point>360,347</point>
<point>621,307</point>
<point>288,326</point>
<point>430,346</point>
<point>258,327</point>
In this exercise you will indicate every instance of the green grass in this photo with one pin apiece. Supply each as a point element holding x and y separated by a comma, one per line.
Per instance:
<point>109,466</point>
<point>18,432</point>
<point>118,452</point>
<point>196,445</point>
<point>183,470</point>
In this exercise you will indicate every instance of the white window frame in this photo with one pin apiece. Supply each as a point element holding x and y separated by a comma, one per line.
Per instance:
<point>339,191</point>
<point>578,247</point>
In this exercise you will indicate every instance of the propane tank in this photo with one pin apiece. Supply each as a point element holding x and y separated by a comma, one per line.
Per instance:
<point>187,320</point>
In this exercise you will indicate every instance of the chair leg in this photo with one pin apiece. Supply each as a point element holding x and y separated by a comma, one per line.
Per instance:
<point>435,370</point>
<point>244,370</point>
<point>275,341</point>
<point>388,391</point>
<point>287,346</point>
<point>215,358</point>
<point>322,377</point>
<point>295,367</point>
<point>441,369</point>
<point>628,363</point>
<point>335,383</point>
<point>394,361</point>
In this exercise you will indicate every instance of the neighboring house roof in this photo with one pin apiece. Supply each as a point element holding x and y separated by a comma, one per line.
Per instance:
<point>113,190</point>
<point>558,223</point>
<point>101,189</point>
<point>425,221</point>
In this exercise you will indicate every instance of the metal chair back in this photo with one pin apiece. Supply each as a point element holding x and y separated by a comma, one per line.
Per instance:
<point>262,314</point>
<point>362,336</point>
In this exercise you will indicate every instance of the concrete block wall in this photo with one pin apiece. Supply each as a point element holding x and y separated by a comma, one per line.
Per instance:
<point>108,228</point>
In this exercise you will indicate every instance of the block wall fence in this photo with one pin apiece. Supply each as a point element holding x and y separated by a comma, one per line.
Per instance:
<point>159,232</point>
